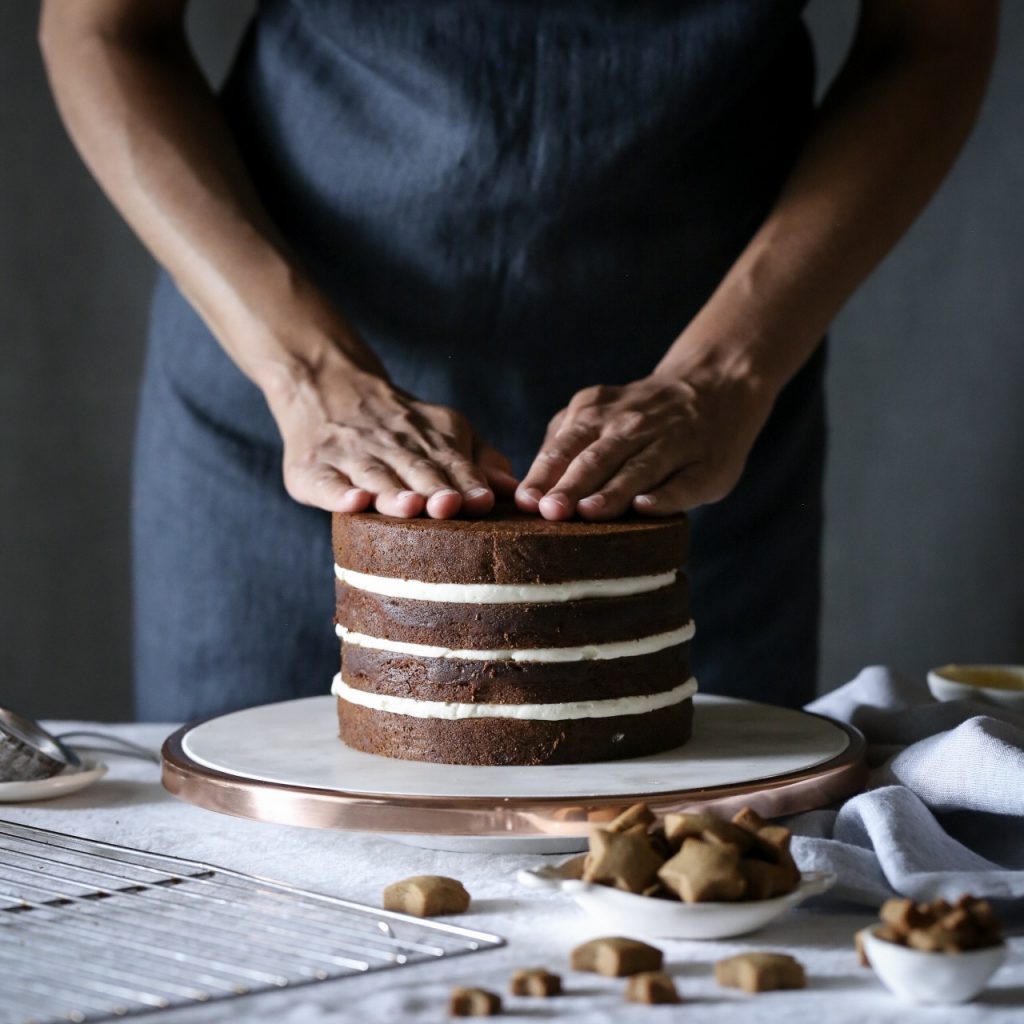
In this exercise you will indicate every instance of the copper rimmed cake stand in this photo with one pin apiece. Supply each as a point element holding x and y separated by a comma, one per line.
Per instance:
<point>283,763</point>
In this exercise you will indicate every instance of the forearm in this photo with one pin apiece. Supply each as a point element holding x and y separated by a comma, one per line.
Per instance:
<point>149,128</point>
<point>887,133</point>
<point>151,131</point>
<point>885,137</point>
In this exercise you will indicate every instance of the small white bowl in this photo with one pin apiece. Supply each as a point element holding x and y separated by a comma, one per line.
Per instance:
<point>69,781</point>
<point>920,977</point>
<point>992,684</point>
<point>631,914</point>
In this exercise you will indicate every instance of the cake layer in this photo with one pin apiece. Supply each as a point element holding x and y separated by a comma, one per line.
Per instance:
<point>571,623</point>
<point>507,547</point>
<point>500,741</point>
<point>511,682</point>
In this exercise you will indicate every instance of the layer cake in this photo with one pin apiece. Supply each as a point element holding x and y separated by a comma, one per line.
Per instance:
<point>512,640</point>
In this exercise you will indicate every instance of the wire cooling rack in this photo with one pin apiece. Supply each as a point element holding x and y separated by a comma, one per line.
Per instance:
<point>91,931</point>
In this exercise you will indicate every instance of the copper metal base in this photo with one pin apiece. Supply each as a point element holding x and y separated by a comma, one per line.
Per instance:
<point>565,817</point>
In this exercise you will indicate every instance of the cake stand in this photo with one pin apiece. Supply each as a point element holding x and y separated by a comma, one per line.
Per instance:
<point>284,763</point>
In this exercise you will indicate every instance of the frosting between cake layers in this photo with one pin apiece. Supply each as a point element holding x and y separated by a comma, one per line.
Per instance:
<point>590,652</point>
<point>503,593</point>
<point>556,712</point>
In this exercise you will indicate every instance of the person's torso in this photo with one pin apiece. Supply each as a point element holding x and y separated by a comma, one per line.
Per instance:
<point>515,198</point>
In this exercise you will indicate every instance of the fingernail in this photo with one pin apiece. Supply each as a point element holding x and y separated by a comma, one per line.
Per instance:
<point>645,500</point>
<point>354,492</point>
<point>407,494</point>
<point>593,501</point>
<point>557,499</point>
<point>445,490</point>
<point>478,492</point>
<point>531,493</point>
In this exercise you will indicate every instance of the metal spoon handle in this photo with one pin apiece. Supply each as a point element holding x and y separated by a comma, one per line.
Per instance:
<point>113,744</point>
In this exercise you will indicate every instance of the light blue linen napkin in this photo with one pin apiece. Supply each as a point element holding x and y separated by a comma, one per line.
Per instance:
<point>944,810</point>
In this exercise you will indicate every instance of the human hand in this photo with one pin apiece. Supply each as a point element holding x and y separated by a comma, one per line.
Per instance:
<point>352,440</point>
<point>661,445</point>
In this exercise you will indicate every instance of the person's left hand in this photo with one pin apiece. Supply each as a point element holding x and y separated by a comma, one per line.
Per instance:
<point>661,445</point>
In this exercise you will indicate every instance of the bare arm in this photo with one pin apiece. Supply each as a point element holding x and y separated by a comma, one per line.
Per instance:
<point>885,137</point>
<point>148,126</point>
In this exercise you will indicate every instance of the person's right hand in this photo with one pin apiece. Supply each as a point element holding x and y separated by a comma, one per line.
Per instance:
<point>352,440</point>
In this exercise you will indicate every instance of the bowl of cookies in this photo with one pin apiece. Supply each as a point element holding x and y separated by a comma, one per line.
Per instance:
<point>691,876</point>
<point>936,952</point>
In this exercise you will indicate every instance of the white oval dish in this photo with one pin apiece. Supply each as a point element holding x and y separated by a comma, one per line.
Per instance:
<point>917,976</point>
<point>968,682</point>
<point>669,919</point>
<point>71,780</point>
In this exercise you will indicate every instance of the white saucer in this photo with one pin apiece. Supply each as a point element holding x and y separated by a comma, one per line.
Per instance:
<point>71,780</point>
<point>631,914</point>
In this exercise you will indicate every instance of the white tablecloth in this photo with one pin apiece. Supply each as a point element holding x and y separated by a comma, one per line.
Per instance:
<point>130,807</point>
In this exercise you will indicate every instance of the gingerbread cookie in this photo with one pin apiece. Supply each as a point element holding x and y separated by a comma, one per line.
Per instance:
<point>765,881</point>
<point>427,896</point>
<point>704,872</point>
<point>473,1002</point>
<point>625,860</point>
<point>638,814</point>
<point>616,957</point>
<point>760,972</point>
<point>535,981</point>
<point>709,827</point>
<point>651,987</point>
<point>749,819</point>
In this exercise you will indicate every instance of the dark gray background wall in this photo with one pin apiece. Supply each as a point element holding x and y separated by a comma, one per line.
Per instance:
<point>925,546</point>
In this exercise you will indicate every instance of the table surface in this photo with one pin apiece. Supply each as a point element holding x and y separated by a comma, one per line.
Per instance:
<point>130,807</point>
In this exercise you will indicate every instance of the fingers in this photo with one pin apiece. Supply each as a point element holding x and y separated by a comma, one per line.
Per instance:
<point>407,482</point>
<point>583,487</point>
<point>692,486</point>
<point>475,495</point>
<point>424,476</point>
<point>496,469</point>
<point>658,445</point>
<point>391,496</point>
<point>560,447</point>
<point>322,486</point>
<point>390,450</point>
<point>640,474</point>
<point>677,494</point>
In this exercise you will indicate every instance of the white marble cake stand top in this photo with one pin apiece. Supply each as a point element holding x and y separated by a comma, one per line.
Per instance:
<point>295,743</point>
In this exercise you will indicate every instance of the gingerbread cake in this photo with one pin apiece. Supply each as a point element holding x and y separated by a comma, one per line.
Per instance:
<point>512,640</point>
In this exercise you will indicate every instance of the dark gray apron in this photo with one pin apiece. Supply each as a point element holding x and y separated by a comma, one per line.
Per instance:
<point>512,199</point>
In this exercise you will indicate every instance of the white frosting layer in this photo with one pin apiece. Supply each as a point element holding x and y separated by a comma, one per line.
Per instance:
<point>590,652</point>
<point>503,593</point>
<point>531,712</point>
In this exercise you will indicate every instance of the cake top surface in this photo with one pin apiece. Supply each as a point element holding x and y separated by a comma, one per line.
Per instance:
<point>507,546</point>
<point>506,519</point>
